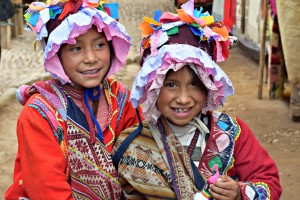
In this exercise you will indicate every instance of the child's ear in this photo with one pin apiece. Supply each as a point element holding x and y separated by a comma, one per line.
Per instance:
<point>59,51</point>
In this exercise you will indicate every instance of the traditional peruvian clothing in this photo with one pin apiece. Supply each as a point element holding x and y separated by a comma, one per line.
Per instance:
<point>158,160</point>
<point>55,145</point>
<point>171,158</point>
<point>65,136</point>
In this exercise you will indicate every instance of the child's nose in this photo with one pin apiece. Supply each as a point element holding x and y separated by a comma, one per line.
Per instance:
<point>90,56</point>
<point>184,97</point>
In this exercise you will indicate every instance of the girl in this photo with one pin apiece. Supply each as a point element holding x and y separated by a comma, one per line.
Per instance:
<point>69,124</point>
<point>186,149</point>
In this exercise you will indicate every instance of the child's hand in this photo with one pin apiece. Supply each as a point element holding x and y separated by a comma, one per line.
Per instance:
<point>225,188</point>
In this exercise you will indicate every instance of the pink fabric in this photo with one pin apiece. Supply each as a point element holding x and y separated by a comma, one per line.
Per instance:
<point>58,33</point>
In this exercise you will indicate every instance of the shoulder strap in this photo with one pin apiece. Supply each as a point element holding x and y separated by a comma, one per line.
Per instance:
<point>199,181</point>
<point>117,156</point>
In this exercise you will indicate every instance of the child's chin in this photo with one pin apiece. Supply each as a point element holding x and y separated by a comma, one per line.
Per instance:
<point>92,85</point>
<point>180,122</point>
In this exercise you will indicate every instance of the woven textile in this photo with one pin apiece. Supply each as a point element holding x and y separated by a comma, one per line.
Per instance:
<point>51,124</point>
<point>145,165</point>
<point>93,175</point>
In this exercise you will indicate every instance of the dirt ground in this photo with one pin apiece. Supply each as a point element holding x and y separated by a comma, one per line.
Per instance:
<point>267,118</point>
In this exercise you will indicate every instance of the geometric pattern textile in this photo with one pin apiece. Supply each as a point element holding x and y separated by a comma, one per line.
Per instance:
<point>93,175</point>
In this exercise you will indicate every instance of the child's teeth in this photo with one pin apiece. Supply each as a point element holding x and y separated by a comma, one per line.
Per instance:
<point>181,110</point>
<point>90,72</point>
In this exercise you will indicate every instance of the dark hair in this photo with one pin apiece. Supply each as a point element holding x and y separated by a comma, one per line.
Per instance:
<point>51,25</point>
<point>195,77</point>
<point>197,80</point>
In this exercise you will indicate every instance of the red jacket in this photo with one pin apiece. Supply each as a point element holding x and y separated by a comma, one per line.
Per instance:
<point>40,165</point>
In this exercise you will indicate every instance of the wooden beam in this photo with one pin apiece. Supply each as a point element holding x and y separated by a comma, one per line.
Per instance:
<point>262,50</point>
<point>5,35</point>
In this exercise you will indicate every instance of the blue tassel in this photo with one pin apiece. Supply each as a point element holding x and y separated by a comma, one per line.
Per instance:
<point>89,93</point>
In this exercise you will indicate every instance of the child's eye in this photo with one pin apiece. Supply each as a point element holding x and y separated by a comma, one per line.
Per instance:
<point>193,83</point>
<point>75,48</point>
<point>171,85</point>
<point>99,44</point>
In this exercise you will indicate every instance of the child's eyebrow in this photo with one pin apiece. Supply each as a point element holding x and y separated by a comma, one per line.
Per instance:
<point>170,79</point>
<point>99,37</point>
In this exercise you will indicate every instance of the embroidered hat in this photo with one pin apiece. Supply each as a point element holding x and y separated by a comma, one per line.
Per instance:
<point>172,41</point>
<point>61,21</point>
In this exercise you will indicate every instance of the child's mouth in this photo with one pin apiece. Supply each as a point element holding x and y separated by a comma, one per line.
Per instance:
<point>181,110</point>
<point>91,71</point>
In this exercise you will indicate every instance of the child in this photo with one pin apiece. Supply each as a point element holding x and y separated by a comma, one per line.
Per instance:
<point>181,87</point>
<point>69,124</point>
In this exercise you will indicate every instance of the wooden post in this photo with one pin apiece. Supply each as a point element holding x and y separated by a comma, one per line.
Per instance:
<point>14,28</point>
<point>262,51</point>
<point>5,35</point>
<point>20,19</point>
<point>243,13</point>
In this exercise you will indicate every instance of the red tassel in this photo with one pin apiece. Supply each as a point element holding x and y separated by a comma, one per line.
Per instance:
<point>225,50</point>
<point>90,123</point>
<point>70,7</point>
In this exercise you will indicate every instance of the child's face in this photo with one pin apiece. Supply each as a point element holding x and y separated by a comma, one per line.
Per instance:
<point>86,62</point>
<point>180,98</point>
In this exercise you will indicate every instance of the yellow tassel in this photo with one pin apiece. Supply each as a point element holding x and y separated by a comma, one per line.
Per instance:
<point>34,45</point>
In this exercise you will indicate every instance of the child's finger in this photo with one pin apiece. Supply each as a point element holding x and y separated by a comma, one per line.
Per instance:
<point>228,189</point>
<point>215,195</point>
<point>225,182</point>
<point>218,192</point>
<point>225,178</point>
